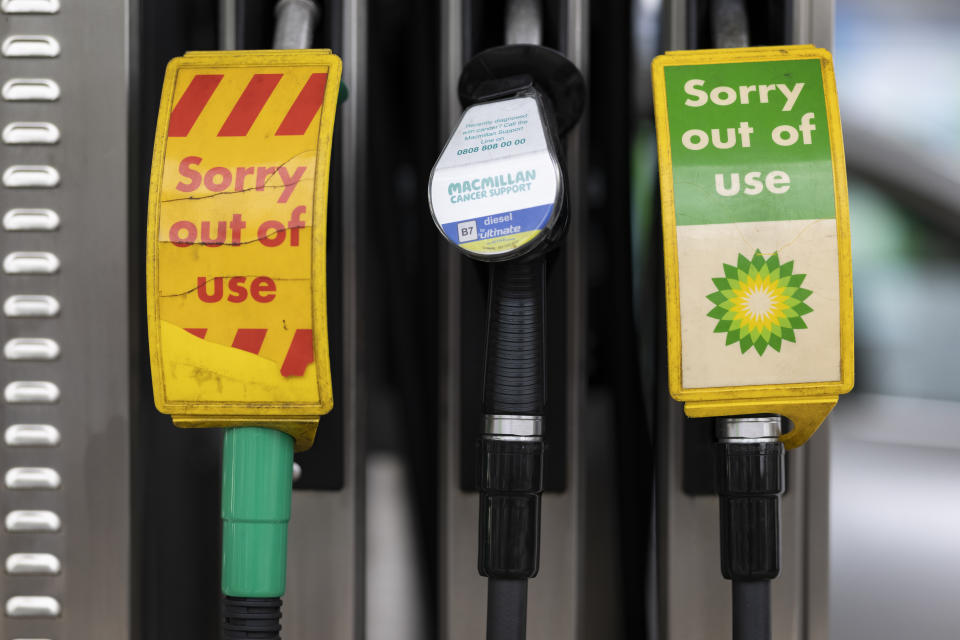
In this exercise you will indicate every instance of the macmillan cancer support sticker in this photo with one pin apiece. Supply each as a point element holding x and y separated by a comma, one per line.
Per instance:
<point>496,186</point>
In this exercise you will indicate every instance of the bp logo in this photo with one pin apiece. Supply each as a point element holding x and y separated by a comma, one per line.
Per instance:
<point>759,303</point>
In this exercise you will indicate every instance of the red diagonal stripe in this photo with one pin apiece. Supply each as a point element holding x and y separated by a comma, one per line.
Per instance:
<point>299,355</point>
<point>250,104</point>
<point>305,107</point>
<point>192,102</point>
<point>200,333</point>
<point>249,339</point>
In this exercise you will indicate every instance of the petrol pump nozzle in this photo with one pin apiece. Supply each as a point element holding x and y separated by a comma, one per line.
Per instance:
<point>741,347</point>
<point>236,284</point>
<point>750,479</point>
<point>497,194</point>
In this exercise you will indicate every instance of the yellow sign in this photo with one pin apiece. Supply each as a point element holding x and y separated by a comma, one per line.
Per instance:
<point>756,233</point>
<point>236,240</point>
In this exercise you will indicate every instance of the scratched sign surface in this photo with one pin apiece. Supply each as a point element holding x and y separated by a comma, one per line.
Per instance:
<point>236,240</point>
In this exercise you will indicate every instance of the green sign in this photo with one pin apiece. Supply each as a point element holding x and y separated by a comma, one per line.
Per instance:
<point>749,142</point>
<point>756,237</point>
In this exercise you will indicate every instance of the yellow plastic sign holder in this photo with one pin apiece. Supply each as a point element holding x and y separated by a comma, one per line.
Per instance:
<point>723,112</point>
<point>236,240</point>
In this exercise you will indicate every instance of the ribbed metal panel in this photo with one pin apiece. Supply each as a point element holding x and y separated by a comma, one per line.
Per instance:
<point>65,407</point>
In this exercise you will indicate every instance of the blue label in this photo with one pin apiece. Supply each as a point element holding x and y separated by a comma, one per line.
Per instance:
<point>499,225</point>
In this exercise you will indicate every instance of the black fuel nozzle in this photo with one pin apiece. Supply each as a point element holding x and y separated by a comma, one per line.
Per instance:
<point>750,481</point>
<point>539,93</point>
<point>497,194</point>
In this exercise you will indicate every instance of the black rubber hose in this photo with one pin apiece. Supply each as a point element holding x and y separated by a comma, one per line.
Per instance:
<point>751,610</point>
<point>506,609</point>
<point>251,618</point>
<point>514,380</point>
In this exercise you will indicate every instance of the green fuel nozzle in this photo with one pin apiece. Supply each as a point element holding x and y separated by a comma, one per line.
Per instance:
<point>257,485</point>
<point>256,493</point>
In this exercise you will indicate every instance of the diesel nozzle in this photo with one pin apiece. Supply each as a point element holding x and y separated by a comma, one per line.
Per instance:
<point>497,194</point>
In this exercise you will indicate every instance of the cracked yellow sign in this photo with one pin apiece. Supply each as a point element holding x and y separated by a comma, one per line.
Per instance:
<point>236,239</point>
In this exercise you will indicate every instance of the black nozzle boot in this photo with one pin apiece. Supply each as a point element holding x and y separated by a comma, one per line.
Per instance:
<point>510,486</point>
<point>749,483</point>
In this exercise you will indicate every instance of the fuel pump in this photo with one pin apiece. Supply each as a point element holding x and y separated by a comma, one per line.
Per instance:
<point>758,274</point>
<point>236,283</point>
<point>497,194</point>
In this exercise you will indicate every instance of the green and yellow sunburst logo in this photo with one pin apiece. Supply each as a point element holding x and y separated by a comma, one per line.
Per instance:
<point>759,303</point>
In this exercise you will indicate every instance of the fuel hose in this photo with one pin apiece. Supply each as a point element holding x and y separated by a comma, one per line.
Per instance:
<point>497,194</point>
